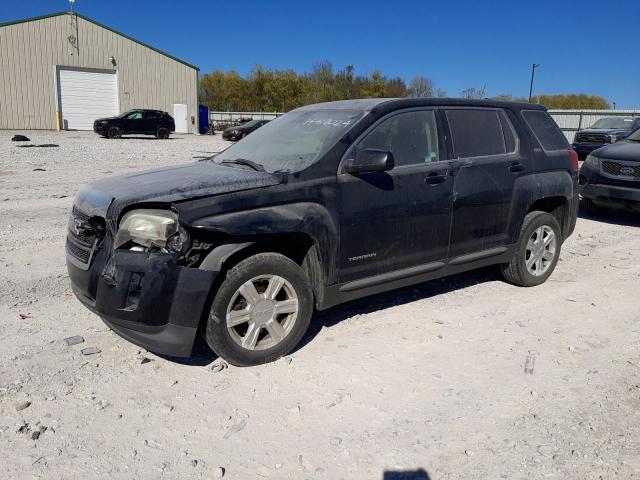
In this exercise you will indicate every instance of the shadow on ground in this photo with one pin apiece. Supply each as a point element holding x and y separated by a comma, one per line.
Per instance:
<point>625,218</point>
<point>382,301</point>
<point>418,474</point>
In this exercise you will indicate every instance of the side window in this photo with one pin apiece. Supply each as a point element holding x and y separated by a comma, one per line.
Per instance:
<point>152,115</point>
<point>545,130</point>
<point>134,116</point>
<point>477,133</point>
<point>412,138</point>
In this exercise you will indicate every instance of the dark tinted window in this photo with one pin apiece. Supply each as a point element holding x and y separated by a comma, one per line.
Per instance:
<point>412,137</point>
<point>476,133</point>
<point>545,130</point>
<point>134,116</point>
<point>152,115</point>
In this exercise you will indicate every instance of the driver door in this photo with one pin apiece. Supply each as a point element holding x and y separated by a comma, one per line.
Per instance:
<point>398,218</point>
<point>134,122</point>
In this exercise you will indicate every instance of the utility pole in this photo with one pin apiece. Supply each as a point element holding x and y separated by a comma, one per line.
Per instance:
<point>533,72</point>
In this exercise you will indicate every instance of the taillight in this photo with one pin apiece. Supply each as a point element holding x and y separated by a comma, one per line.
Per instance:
<point>574,160</point>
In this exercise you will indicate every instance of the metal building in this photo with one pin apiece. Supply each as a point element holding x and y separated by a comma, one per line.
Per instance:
<point>62,71</point>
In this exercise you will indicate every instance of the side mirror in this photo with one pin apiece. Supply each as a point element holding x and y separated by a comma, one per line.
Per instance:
<point>370,160</point>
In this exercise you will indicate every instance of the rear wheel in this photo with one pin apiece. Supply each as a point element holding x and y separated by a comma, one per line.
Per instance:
<point>261,310</point>
<point>537,250</point>
<point>114,132</point>
<point>162,133</point>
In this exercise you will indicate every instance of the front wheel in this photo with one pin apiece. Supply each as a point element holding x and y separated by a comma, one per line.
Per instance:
<point>114,132</point>
<point>537,250</point>
<point>261,310</point>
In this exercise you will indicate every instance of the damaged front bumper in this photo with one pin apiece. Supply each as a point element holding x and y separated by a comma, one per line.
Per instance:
<point>147,298</point>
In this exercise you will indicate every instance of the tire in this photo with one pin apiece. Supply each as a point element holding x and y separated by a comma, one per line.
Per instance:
<point>537,226</point>
<point>114,132</point>
<point>162,133</point>
<point>591,208</point>
<point>288,282</point>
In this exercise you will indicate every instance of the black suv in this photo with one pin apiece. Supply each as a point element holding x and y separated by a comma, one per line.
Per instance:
<point>145,122</point>
<point>241,131</point>
<point>326,204</point>
<point>603,132</point>
<point>610,176</point>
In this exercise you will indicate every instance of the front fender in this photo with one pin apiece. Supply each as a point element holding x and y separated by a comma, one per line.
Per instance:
<point>309,218</point>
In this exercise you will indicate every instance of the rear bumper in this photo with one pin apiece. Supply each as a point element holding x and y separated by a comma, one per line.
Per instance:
<point>147,299</point>
<point>612,196</point>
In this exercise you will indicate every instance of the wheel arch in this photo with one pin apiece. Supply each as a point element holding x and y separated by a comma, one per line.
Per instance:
<point>551,192</point>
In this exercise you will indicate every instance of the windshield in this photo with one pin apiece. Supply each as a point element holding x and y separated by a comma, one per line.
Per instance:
<point>635,136</point>
<point>621,123</point>
<point>294,141</point>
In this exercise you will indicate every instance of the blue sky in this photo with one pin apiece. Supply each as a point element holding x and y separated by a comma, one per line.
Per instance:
<point>582,46</point>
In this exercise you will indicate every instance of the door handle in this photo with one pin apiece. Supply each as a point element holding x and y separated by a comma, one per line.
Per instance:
<point>516,167</point>
<point>435,178</point>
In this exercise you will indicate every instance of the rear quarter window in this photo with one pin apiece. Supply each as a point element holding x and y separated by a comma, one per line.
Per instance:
<point>545,130</point>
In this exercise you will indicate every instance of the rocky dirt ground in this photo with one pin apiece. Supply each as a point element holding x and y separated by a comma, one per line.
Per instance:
<point>425,382</point>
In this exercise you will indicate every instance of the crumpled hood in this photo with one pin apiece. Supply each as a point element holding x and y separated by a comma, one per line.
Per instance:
<point>166,185</point>
<point>625,150</point>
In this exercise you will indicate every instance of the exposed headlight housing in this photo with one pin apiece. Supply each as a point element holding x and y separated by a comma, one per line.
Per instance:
<point>592,161</point>
<point>147,227</point>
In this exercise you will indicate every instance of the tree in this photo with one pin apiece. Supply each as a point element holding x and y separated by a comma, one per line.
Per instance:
<point>421,87</point>
<point>472,93</point>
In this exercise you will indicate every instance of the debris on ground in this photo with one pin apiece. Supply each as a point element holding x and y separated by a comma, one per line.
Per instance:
<point>219,365</point>
<point>218,472</point>
<point>22,405</point>
<point>144,360</point>
<point>235,428</point>
<point>20,138</point>
<point>42,145</point>
<point>39,169</point>
<point>76,339</point>
<point>90,350</point>
<point>24,316</point>
<point>530,363</point>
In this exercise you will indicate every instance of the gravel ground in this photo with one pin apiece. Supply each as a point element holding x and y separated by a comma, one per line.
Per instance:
<point>425,382</point>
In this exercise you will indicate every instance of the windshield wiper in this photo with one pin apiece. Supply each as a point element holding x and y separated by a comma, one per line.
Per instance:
<point>243,161</point>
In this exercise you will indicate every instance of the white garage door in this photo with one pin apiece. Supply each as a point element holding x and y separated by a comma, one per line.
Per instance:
<point>86,96</point>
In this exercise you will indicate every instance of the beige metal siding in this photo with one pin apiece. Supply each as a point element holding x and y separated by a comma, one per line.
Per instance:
<point>31,51</point>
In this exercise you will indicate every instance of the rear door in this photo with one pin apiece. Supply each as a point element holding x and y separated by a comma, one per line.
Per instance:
<point>486,148</point>
<point>152,120</point>
<point>399,218</point>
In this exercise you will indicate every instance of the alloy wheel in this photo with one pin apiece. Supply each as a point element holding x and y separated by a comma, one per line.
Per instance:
<point>541,250</point>
<point>262,312</point>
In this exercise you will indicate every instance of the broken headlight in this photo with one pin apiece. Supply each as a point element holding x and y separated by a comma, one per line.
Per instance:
<point>147,228</point>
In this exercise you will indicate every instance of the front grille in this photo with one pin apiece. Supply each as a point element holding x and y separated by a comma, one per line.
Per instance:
<point>81,241</point>
<point>591,138</point>
<point>626,170</point>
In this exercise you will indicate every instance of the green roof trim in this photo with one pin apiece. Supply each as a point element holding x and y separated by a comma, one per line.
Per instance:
<point>57,14</point>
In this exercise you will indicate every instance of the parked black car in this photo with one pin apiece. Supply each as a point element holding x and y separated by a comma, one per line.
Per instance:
<point>141,122</point>
<point>603,132</point>
<point>610,176</point>
<point>241,131</point>
<point>326,204</point>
